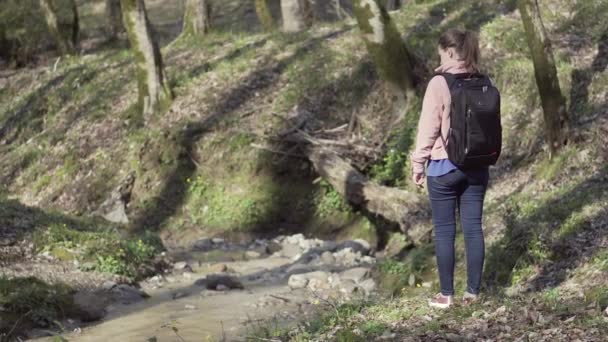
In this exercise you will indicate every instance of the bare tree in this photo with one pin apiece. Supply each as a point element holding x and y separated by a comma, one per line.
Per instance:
<point>297,15</point>
<point>197,17</point>
<point>387,49</point>
<point>50,15</point>
<point>154,93</point>
<point>264,15</point>
<point>553,102</point>
<point>113,18</point>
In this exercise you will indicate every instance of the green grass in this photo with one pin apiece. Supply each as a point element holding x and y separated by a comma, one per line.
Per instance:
<point>103,250</point>
<point>27,301</point>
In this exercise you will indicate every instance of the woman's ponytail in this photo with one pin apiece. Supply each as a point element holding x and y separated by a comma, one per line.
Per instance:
<point>466,45</point>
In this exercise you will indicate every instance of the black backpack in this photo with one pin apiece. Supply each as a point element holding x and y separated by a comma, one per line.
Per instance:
<point>475,135</point>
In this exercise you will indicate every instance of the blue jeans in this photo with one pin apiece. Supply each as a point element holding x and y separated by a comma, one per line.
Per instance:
<point>465,190</point>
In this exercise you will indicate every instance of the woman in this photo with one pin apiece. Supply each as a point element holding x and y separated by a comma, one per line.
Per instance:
<point>449,186</point>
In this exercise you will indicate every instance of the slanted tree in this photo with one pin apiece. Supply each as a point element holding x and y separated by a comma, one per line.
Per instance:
<point>113,19</point>
<point>154,92</point>
<point>197,17</point>
<point>64,45</point>
<point>264,15</point>
<point>387,49</point>
<point>297,15</point>
<point>545,72</point>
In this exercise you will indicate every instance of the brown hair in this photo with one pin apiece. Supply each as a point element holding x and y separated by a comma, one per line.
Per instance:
<point>466,45</point>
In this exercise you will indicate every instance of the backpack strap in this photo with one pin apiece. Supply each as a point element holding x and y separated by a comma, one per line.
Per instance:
<point>452,78</point>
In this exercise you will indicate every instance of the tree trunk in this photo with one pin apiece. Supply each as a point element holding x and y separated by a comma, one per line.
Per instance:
<point>264,15</point>
<point>50,15</point>
<point>553,102</point>
<point>113,19</point>
<point>393,204</point>
<point>154,93</point>
<point>387,49</point>
<point>297,15</point>
<point>196,17</point>
<point>75,23</point>
<point>392,5</point>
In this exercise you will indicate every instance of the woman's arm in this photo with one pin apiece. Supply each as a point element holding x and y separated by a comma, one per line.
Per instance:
<point>429,126</point>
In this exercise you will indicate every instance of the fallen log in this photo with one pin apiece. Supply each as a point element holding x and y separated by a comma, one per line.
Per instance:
<point>408,209</point>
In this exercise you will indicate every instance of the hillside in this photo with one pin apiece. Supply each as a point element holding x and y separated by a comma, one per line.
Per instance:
<point>209,167</point>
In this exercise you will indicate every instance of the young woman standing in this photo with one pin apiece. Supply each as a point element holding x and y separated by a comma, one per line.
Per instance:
<point>449,186</point>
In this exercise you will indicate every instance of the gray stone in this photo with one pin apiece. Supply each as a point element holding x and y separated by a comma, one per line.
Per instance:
<point>368,285</point>
<point>273,247</point>
<point>211,282</point>
<point>252,255</point>
<point>359,245</point>
<point>182,266</point>
<point>412,280</point>
<point>108,285</point>
<point>388,336</point>
<point>217,241</point>
<point>310,243</point>
<point>179,294</point>
<point>117,213</point>
<point>127,294</point>
<point>222,287</point>
<point>357,274</point>
<point>329,246</point>
<point>290,250</point>
<point>298,269</point>
<point>295,239</point>
<point>89,306</point>
<point>320,275</point>
<point>203,244</point>
<point>348,287</point>
<point>347,257</point>
<point>297,281</point>
<point>328,258</point>
<point>317,284</point>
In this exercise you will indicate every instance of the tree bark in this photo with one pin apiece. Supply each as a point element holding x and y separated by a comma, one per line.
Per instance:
<point>197,17</point>
<point>113,19</point>
<point>75,23</point>
<point>387,49</point>
<point>264,15</point>
<point>545,72</point>
<point>154,93</point>
<point>396,205</point>
<point>392,5</point>
<point>297,15</point>
<point>50,15</point>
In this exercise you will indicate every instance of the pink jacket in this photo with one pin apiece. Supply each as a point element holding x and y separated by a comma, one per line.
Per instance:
<point>434,121</point>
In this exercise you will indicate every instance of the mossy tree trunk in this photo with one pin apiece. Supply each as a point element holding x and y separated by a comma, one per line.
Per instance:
<point>154,92</point>
<point>297,15</point>
<point>197,17</point>
<point>405,208</point>
<point>64,45</point>
<point>553,102</point>
<point>387,49</point>
<point>75,23</point>
<point>113,19</point>
<point>264,15</point>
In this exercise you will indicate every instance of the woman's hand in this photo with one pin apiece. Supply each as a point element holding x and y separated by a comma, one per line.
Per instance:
<point>418,179</point>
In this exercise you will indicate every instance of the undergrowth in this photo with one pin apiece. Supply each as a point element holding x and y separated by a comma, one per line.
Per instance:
<point>102,250</point>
